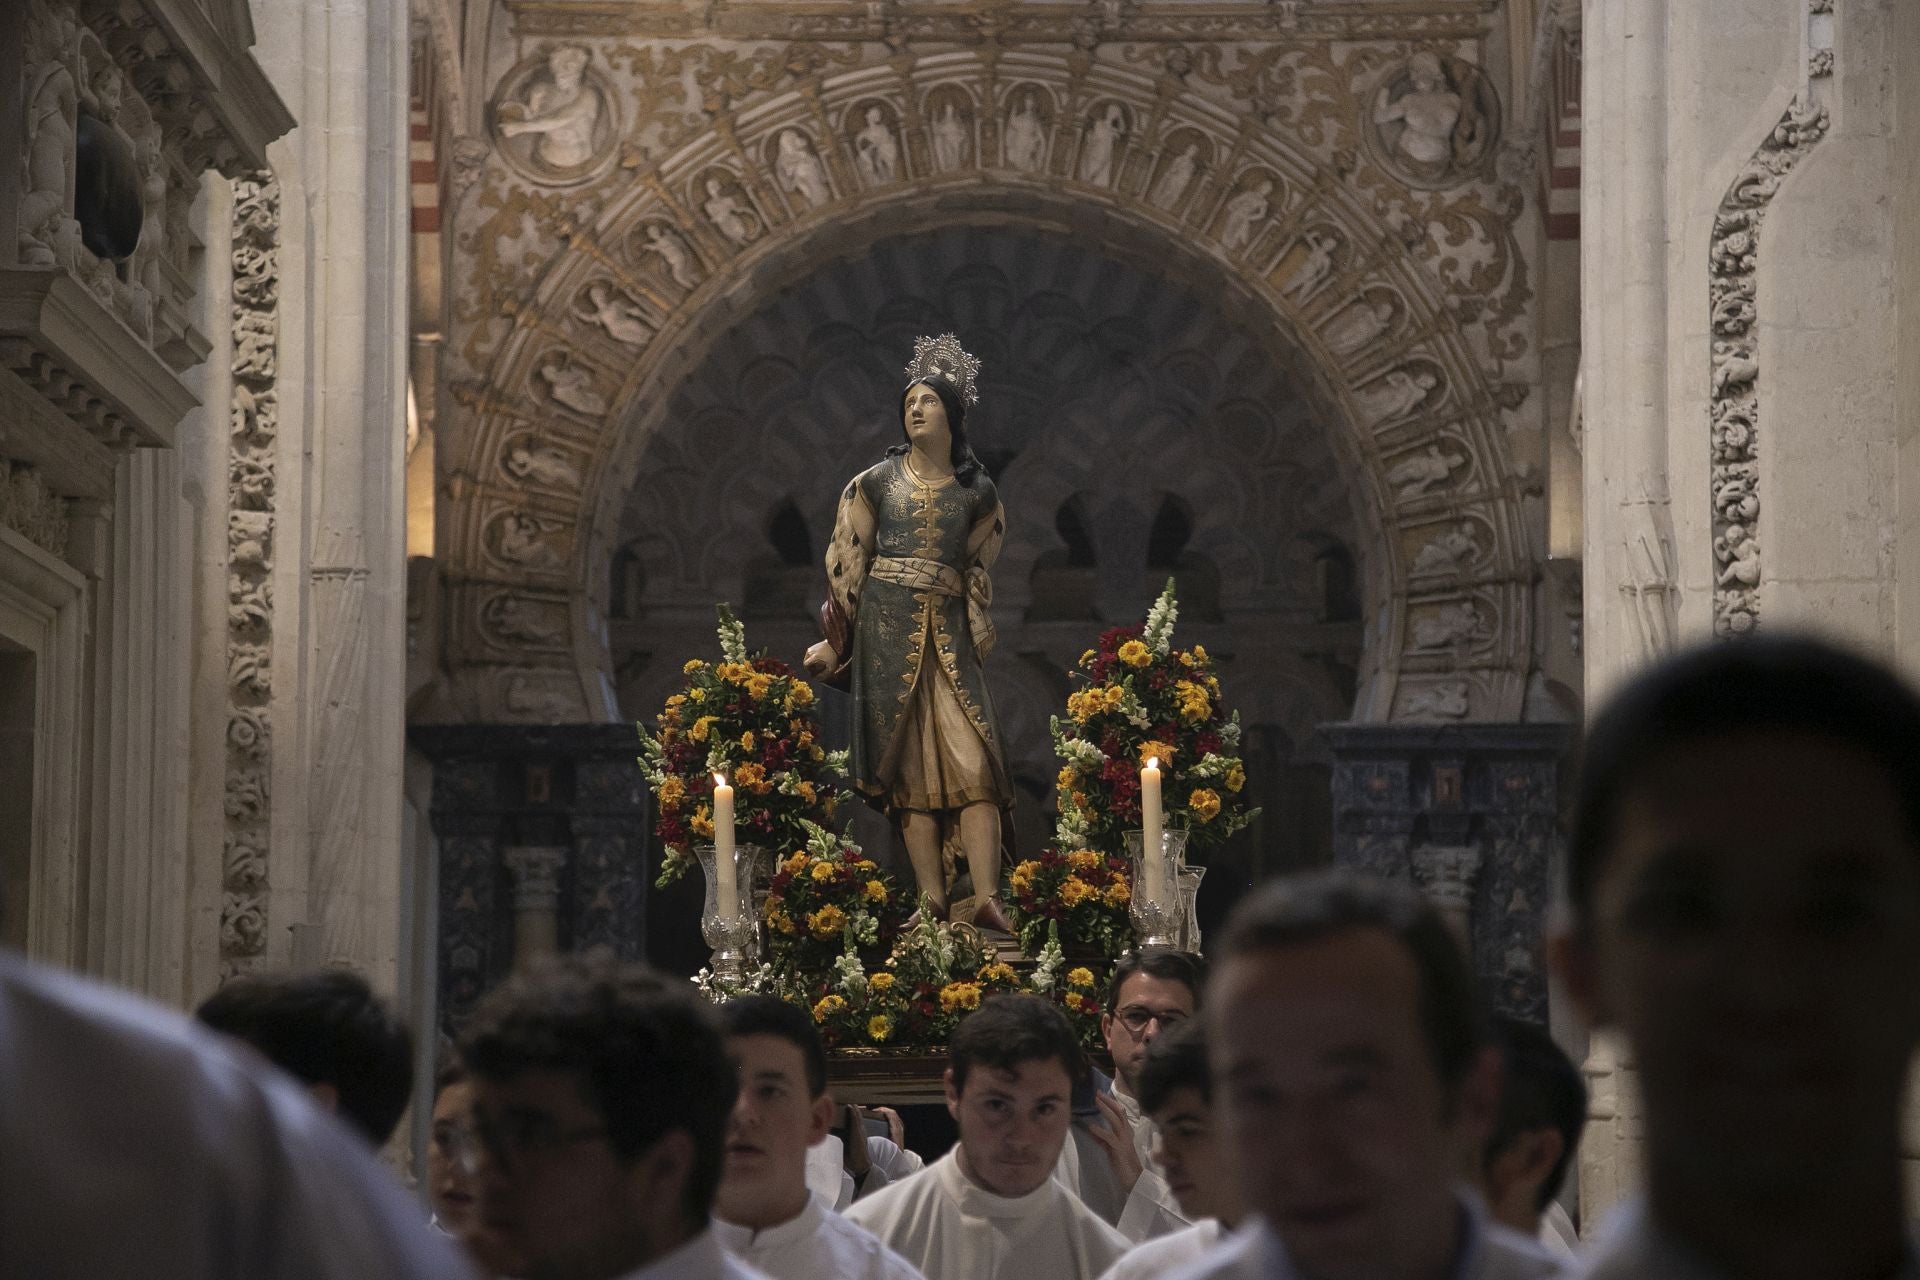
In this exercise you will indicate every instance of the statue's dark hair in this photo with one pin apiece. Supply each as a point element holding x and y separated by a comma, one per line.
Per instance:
<point>965,465</point>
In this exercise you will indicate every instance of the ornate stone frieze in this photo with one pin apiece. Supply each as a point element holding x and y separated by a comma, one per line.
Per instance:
<point>29,509</point>
<point>251,446</point>
<point>1735,374</point>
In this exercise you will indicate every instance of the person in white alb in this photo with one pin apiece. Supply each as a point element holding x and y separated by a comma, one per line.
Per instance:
<point>600,1104</point>
<point>990,1209</point>
<point>1354,1075</point>
<point>1744,893</point>
<point>764,1212</point>
<point>134,1143</point>
<point>1150,992</point>
<point>1543,1111</point>
<point>1176,1090</point>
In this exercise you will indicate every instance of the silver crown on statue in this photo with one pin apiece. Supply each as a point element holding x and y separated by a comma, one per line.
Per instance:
<point>946,358</point>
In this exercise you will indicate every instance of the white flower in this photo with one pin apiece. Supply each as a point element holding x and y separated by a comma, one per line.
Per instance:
<point>1158,634</point>
<point>849,975</point>
<point>733,636</point>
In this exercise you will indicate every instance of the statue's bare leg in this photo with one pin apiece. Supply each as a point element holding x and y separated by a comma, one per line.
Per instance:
<point>980,840</point>
<point>921,831</point>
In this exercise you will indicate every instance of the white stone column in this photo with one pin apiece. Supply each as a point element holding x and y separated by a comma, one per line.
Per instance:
<point>536,900</point>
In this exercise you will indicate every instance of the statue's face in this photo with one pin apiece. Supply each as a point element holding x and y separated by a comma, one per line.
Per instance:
<point>925,419</point>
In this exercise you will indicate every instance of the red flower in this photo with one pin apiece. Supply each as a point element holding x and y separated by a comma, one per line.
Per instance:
<point>1207,743</point>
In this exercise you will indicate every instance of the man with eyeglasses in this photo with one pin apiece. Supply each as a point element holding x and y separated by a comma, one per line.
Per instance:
<point>601,1096</point>
<point>1151,991</point>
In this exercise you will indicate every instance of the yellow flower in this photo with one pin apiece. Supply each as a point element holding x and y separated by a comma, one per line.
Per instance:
<point>672,792</point>
<point>805,791</point>
<point>733,672</point>
<point>1080,977</point>
<point>1114,696</point>
<point>822,871</point>
<point>1117,894</point>
<point>1205,804</point>
<point>759,685</point>
<point>876,892</point>
<point>701,728</point>
<point>960,995</point>
<point>866,864</point>
<point>1078,799</point>
<point>826,922</point>
<point>1079,705</point>
<point>1087,658</point>
<point>702,821</point>
<point>797,863</point>
<point>676,702</point>
<point>1135,654</point>
<point>800,695</point>
<point>1074,891</point>
<point>1022,877</point>
<point>828,1007</point>
<point>779,920</point>
<point>1186,659</point>
<point>998,971</point>
<point>1236,777</point>
<point>1199,653</point>
<point>1068,777</point>
<point>880,982</point>
<point>1084,860</point>
<point>1193,700</point>
<point>1079,1003</point>
<point>1152,749</point>
<point>753,777</point>
<point>879,1028</point>
<point>746,740</point>
<point>694,667</point>
<point>818,753</point>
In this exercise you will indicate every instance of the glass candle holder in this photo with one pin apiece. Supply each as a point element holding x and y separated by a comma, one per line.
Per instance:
<point>1189,897</point>
<point>731,927</point>
<point>1155,905</point>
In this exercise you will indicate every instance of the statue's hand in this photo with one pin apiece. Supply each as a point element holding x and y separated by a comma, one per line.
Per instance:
<point>820,659</point>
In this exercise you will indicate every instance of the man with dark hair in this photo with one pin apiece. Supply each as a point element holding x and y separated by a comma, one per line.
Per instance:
<point>1348,1041</point>
<point>452,1149</point>
<point>1176,1090</point>
<point>764,1212</point>
<point>1150,991</point>
<point>990,1209</point>
<point>601,1097</point>
<point>1543,1109</point>
<point>1744,879</point>
<point>329,1031</point>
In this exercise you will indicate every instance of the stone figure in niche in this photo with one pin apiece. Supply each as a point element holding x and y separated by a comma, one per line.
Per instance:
<point>1314,268</point>
<point>949,139</point>
<point>1430,127</point>
<point>523,541</point>
<point>46,226</point>
<point>1398,394</point>
<point>1026,135</point>
<point>673,253</point>
<point>799,169</point>
<point>1450,550</point>
<point>1103,135</point>
<point>542,465</point>
<point>1448,625</point>
<point>732,221</point>
<point>617,313</point>
<point>1444,701</point>
<point>1176,178</point>
<point>573,386</point>
<point>561,113</point>
<point>1422,471</point>
<point>1357,324</point>
<point>908,628</point>
<point>1245,212</point>
<point>875,150</point>
<point>1740,553</point>
<point>513,618</point>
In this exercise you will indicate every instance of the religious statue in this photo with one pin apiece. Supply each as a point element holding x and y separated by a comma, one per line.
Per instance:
<point>561,113</point>
<point>875,150</point>
<point>1398,394</point>
<point>1431,128</point>
<point>799,169</point>
<point>573,386</point>
<point>907,630</point>
<point>1096,166</point>
<point>1422,471</point>
<point>1314,268</point>
<point>949,138</point>
<point>673,253</point>
<point>543,466</point>
<point>1449,551</point>
<point>733,222</point>
<point>1449,624</point>
<point>1173,182</point>
<point>1244,212</point>
<point>617,313</point>
<point>1026,136</point>
<point>1357,324</point>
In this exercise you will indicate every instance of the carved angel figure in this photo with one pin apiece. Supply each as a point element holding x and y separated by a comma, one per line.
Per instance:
<point>562,112</point>
<point>573,386</point>
<point>799,169</point>
<point>1026,136</point>
<point>1422,471</point>
<point>1357,324</point>
<point>1314,268</point>
<point>1244,212</point>
<point>1103,135</point>
<point>733,222</point>
<point>542,466</point>
<point>1175,179</point>
<point>1444,701</point>
<point>949,139</point>
<point>875,150</point>
<point>523,541</point>
<point>1447,625</point>
<point>908,629</point>
<point>1450,550</point>
<point>617,313</point>
<point>1398,394</point>
<point>673,253</point>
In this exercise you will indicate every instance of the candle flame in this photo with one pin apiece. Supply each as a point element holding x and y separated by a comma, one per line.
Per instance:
<point>1153,762</point>
<point>719,779</point>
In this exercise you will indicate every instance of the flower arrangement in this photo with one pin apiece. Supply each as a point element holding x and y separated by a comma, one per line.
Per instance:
<point>826,900</point>
<point>1075,988</point>
<point>934,978</point>
<point>1143,699</point>
<point>1078,894</point>
<point>747,717</point>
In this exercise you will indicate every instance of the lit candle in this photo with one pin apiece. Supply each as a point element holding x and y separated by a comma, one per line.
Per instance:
<point>726,881</point>
<point>1150,826</point>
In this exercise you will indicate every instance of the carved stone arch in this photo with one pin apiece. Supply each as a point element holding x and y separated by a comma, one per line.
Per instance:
<point>1443,288</point>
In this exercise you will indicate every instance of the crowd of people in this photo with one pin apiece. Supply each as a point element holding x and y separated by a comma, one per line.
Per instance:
<point>1327,1098</point>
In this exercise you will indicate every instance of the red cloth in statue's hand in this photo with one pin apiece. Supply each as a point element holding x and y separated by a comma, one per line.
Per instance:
<point>837,628</point>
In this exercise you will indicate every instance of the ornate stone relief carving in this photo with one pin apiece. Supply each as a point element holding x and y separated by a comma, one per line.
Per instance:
<point>556,117</point>
<point>798,172</point>
<point>1442,700</point>
<point>251,443</point>
<point>29,509</point>
<point>1735,377</point>
<point>1414,476</point>
<point>1436,120</point>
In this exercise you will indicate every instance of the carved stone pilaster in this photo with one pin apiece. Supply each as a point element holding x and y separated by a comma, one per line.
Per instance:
<point>251,441</point>
<point>1447,874</point>
<point>536,871</point>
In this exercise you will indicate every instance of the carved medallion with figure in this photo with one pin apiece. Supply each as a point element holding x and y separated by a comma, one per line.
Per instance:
<point>1435,120</point>
<point>555,117</point>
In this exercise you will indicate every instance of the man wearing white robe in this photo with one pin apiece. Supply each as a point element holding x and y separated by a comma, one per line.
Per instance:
<point>601,1097</point>
<point>1756,944</point>
<point>1354,1078</point>
<point>136,1144</point>
<point>1176,1088</point>
<point>990,1208</point>
<point>765,1212</point>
